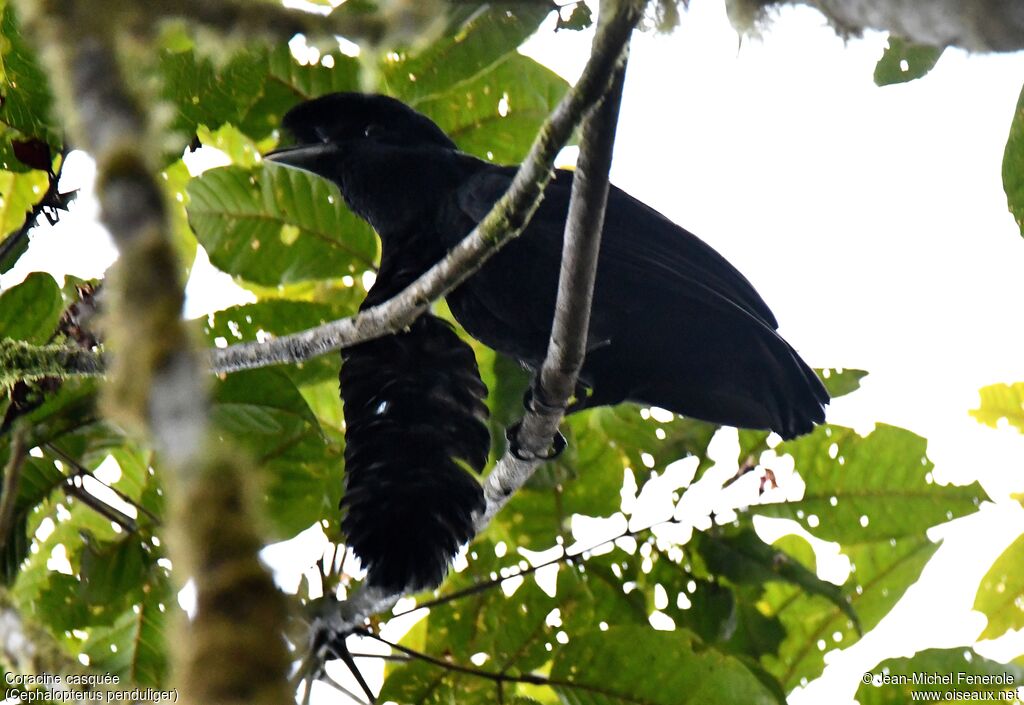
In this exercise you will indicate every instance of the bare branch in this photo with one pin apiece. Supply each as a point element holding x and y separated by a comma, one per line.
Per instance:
<point>567,345</point>
<point>975,25</point>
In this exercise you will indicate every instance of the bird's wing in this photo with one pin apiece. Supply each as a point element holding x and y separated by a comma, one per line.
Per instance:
<point>639,246</point>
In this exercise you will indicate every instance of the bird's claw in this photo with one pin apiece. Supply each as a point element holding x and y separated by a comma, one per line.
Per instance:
<point>558,445</point>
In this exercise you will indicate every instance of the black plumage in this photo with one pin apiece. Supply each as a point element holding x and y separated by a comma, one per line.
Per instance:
<point>673,324</point>
<point>415,420</point>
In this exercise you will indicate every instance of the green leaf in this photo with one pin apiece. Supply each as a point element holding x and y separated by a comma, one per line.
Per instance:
<point>30,310</point>
<point>745,559</point>
<point>61,413</point>
<point>174,181</point>
<point>267,416</point>
<point>490,99</point>
<point>507,383</point>
<point>513,631</point>
<point>882,572</point>
<point>39,479</point>
<point>840,382</point>
<point>1001,401</point>
<point>420,683</point>
<point>616,666</point>
<point>53,598</point>
<point>19,193</point>
<point>497,114</point>
<point>112,573</point>
<point>204,95</point>
<point>134,647</point>
<point>999,595</point>
<point>869,489</point>
<point>289,82</point>
<point>905,61</point>
<point>464,53</point>
<point>251,91</point>
<point>276,226</point>
<point>1013,164</point>
<point>27,104</point>
<point>961,665</point>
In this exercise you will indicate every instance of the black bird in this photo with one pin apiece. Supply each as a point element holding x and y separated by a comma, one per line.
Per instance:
<point>673,324</point>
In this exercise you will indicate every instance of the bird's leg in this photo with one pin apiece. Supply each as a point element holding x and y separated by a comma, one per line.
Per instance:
<point>533,400</point>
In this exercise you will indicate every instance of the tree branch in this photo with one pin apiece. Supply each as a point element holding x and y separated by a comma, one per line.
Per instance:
<point>23,361</point>
<point>975,25</point>
<point>569,336</point>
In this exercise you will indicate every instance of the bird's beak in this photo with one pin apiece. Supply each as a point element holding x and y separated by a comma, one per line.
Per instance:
<point>308,157</point>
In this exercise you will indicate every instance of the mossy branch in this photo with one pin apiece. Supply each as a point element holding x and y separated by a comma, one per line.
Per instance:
<point>26,362</point>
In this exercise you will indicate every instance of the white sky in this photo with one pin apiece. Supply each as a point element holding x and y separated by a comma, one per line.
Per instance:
<point>871,219</point>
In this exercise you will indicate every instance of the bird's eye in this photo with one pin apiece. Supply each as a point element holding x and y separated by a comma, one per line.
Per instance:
<point>373,131</point>
<point>323,134</point>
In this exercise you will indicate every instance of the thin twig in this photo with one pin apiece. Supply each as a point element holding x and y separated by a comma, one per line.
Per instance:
<point>491,583</point>
<point>383,657</point>
<point>82,470</point>
<point>459,668</point>
<point>499,678</point>
<point>343,690</point>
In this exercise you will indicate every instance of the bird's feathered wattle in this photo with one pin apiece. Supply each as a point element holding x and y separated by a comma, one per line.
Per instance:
<point>415,420</point>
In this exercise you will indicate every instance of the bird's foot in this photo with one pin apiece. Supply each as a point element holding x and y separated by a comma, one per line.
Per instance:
<point>533,400</point>
<point>558,445</point>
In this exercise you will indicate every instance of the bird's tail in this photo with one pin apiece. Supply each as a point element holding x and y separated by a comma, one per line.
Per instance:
<point>415,422</point>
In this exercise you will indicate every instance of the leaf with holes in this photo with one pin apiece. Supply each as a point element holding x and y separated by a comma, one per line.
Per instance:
<point>276,226</point>
<point>496,114</point>
<point>615,666</point>
<point>869,489</point>
<point>905,61</point>
<point>999,595</point>
<point>252,322</point>
<point>1001,401</point>
<point>134,646</point>
<point>974,679</point>
<point>468,50</point>
<point>882,572</point>
<point>744,559</point>
<point>840,382</point>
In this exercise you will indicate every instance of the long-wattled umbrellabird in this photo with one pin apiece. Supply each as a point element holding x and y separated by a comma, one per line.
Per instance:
<point>672,325</point>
